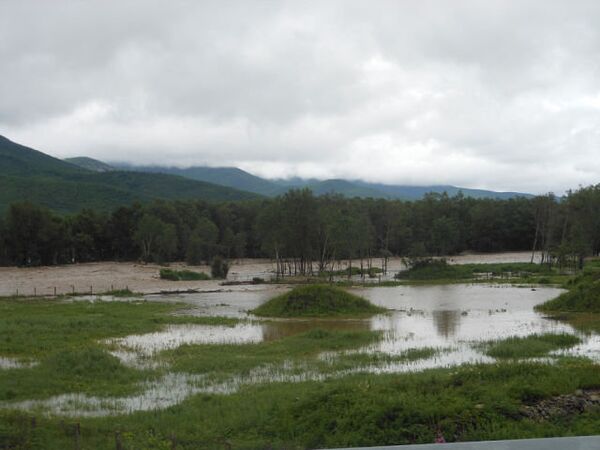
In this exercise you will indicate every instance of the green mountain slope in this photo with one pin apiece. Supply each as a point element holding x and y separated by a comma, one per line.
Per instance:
<point>29,175</point>
<point>417,192</point>
<point>239,179</point>
<point>90,164</point>
<point>345,188</point>
<point>224,176</point>
<point>18,160</point>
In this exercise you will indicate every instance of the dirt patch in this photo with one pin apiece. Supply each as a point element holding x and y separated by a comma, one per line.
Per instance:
<point>563,405</point>
<point>106,276</point>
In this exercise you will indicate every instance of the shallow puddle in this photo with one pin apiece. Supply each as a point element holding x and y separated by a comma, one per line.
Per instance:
<point>14,363</point>
<point>174,336</point>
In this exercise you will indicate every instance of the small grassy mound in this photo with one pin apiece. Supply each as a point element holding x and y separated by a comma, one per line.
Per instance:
<point>584,296</point>
<point>182,275</point>
<point>317,301</point>
<point>530,346</point>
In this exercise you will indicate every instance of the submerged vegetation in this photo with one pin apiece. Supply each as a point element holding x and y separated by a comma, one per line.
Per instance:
<point>182,275</point>
<point>315,301</point>
<point>530,346</point>
<point>438,269</point>
<point>122,293</point>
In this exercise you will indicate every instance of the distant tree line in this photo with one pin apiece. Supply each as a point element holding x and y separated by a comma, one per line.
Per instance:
<point>304,233</point>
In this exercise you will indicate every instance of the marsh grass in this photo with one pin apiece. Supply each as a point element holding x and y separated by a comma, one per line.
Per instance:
<point>317,301</point>
<point>479,402</point>
<point>64,338</point>
<point>123,293</point>
<point>582,322</point>
<point>368,358</point>
<point>531,346</point>
<point>230,359</point>
<point>439,269</point>
<point>583,296</point>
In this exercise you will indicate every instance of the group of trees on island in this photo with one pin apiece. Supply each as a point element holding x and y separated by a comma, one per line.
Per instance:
<point>304,233</point>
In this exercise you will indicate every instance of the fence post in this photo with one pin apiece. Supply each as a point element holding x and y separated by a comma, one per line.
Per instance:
<point>118,443</point>
<point>77,436</point>
<point>35,292</point>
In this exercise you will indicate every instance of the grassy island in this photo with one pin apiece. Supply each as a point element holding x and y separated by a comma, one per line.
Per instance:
<point>317,301</point>
<point>531,346</point>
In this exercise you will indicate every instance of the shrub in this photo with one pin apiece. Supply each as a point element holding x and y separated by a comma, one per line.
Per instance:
<point>219,268</point>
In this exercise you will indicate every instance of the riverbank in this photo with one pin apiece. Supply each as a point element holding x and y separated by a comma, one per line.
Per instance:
<point>144,278</point>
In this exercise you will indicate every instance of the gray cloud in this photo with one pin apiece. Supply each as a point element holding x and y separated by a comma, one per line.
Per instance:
<point>494,94</point>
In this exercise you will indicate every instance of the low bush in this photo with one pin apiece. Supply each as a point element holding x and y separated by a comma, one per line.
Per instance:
<point>182,275</point>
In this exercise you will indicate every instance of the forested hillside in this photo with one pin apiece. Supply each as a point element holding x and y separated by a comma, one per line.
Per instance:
<point>29,175</point>
<point>90,164</point>
<point>224,176</point>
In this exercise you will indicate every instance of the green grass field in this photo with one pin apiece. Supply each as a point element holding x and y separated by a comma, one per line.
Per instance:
<point>338,408</point>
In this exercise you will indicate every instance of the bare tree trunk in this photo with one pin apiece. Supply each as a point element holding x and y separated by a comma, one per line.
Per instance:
<point>535,239</point>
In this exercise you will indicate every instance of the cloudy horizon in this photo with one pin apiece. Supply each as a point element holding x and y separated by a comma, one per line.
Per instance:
<point>500,95</point>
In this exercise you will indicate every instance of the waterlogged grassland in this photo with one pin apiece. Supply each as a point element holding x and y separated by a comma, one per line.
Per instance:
<point>440,272</point>
<point>64,339</point>
<point>531,346</point>
<point>344,407</point>
<point>583,296</point>
<point>470,403</point>
<point>302,349</point>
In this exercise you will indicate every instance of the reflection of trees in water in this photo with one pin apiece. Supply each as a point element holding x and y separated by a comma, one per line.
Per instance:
<point>446,322</point>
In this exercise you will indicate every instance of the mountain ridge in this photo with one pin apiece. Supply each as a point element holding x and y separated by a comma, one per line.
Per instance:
<point>240,179</point>
<point>30,175</point>
<point>88,163</point>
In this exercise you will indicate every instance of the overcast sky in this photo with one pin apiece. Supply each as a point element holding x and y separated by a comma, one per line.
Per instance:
<point>502,95</point>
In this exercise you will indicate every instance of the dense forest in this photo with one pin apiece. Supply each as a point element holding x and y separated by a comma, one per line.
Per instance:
<point>305,233</point>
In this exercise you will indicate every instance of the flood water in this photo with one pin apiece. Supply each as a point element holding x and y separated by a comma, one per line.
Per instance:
<point>420,316</point>
<point>452,319</point>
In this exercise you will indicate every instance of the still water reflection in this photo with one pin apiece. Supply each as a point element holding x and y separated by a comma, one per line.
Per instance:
<point>420,316</point>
